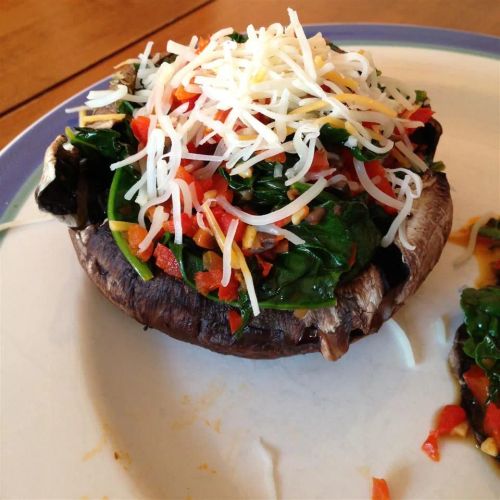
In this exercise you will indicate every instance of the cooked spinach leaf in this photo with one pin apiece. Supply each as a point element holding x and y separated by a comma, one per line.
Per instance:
<point>333,137</point>
<point>190,258</point>
<point>262,191</point>
<point>238,37</point>
<point>482,320</point>
<point>105,143</point>
<point>420,96</point>
<point>122,210</point>
<point>306,275</point>
<point>127,107</point>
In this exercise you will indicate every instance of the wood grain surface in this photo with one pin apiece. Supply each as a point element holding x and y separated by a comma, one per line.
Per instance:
<point>44,43</point>
<point>51,50</point>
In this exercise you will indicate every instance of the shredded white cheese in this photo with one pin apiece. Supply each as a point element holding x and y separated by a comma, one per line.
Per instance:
<point>254,100</point>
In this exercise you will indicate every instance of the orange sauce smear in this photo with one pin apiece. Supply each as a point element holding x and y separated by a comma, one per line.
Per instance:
<point>487,256</point>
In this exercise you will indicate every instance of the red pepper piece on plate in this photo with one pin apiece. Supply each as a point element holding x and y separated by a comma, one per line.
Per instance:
<point>380,489</point>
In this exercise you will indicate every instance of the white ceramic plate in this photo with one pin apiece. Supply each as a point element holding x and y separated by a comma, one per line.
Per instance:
<point>92,406</point>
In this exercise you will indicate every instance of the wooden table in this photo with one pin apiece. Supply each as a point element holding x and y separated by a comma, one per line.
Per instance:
<point>51,50</point>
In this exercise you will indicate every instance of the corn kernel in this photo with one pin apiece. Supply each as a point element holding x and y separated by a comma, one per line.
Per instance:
<point>461,429</point>
<point>211,260</point>
<point>210,194</point>
<point>489,447</point>
<point>118,225</point>
<point>246,174</point>
<point>259,76</point>
<point>300,215</point>
<point>249,237</point>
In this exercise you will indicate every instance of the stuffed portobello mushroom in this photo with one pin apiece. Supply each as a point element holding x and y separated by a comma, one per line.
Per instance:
<point>258,194</point>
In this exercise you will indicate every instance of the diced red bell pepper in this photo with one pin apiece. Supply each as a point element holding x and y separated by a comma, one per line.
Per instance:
<point>222,187</point>
<point>491,422</point>
<point>135,236</point>
<point>140,127</point>
<point>183,174</point>
<point>477,381</point>
<point>421,115</point>
<point>347,161</point>
<point>208,281</point>
<point>224,219</point>
<point>166,261</point>
<point>320,161</point>
<point>188,223</point>
<point>449,417</point>
<point>235,320</point>
<point>431,446</point>
<point>229,292</point>
<point>380,489</point>
<point>375,169</point>
<point>201,186</point>
<point>264,265</point>
<point>283,222</point>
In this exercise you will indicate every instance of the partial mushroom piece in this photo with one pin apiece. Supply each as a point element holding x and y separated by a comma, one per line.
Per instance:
<point>59,191</point>
<point>72,188</point>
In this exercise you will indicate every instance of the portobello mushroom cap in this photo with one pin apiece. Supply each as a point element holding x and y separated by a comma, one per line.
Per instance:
<point>75,191</point>
<point>169,305</point>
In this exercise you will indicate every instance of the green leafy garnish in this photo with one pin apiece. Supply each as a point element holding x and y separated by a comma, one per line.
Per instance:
<point>105,143</point>
<point>482,320</point>
<point>238,37</point>
<point>264,191</point>
<point>126,107</point>
<point>438,166</point>
<point>333,137</point>
<point>491,229</point>
<point>420,96</point>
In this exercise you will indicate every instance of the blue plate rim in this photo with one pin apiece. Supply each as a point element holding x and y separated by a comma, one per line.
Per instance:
<point>19,161</point>
<point>413,35</point>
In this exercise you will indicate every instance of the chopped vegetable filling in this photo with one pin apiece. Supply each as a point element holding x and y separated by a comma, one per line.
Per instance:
<point>256,166</point>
